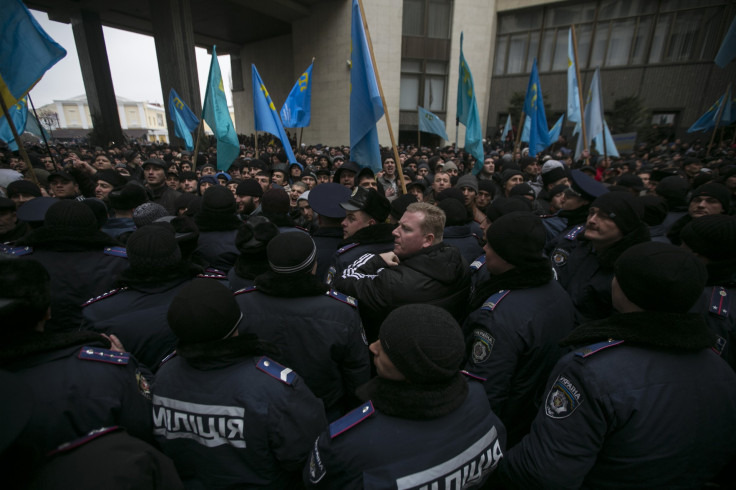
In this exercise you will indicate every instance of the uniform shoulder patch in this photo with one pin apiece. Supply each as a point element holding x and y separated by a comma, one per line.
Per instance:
<point>482,347</point>
<point>719,302</point>
<point>18,251</point>
<point>560,256</point>
<point>249,289</point>
<point>167,358</point>
<point>116,252</point>
<point>470,375</point>
<point>573,234</point>
<point>212,275</point>
<point>347,247</point>
<point>563,398</point>
<point>351,419</point>
<point>349,300</point>
<point>478,263</point>
<point>597,347</point>
<point>493,300</point>
<point>276,370</point>
<point>103,296</point>
<point>104,355</point>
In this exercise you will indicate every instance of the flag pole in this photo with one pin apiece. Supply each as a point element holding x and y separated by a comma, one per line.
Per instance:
<point>383,98</point>
<point>517,143</point>
<point>16,137</point>
<point>718,118</point>
<point>196,145</point>
<point>255,139</point>
<point>43,133</point>
<point>580,92</point>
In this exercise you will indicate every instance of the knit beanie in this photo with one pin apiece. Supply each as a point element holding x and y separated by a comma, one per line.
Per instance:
<point>713,236</point>
<point>291,252</point>
<point>70,217</point>
<point>717,191</point>
<point>655,209</point>
<point>455,212</point>
<point>153,248</point>
<point>399,205</point>
<point>218,200</point>
<point>518,238</point>
<point>147,213</point>
<point>658,276</point>
<point>203,311</point>
<point>552,171</point>
<point>623,208</point>
<point>467,180</point>
<point>508,173</point>
<point>523,189</point>
<point>424,342</point>
<point>249,187</point>
<point>254,235</point>
<point>674,189</point>
<point>111,177</point>
<point>505,205</point>
<point>130,196</point>
<point>275,202</point>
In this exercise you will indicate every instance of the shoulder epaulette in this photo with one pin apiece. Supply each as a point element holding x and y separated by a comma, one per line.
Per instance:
<point>572,234</point>
<point>18,251</point>
<point>167,358</point>
<point>116,252</point>
<point>493,300</point>
<point>351,419</point>
<point>249,289</point>
<point>473,376</point>
<point>592,349</point>
<point>719,302</point>
<point>68,446</point>
<point>212,275</point>
<point>103,296</point>
<point>214,270</point>
<point>342,297</point>
<point>719,345</point>
<point>478,263</point>
<point>347,247</point>
<point>276,370</point>
<point>104,355</point>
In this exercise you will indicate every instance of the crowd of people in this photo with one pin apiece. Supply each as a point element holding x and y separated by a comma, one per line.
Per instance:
<point>521,322</point>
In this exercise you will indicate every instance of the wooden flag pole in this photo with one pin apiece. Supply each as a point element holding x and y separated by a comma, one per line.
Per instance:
<point>718,119</point>
<point>21,148</point>
<point>383,99</point>
<point>580,92</point>
<point>517,144</point>
<point>200,130</point>
<point>255,141</point>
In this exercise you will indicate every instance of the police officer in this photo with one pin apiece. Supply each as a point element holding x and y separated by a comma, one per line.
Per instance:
<point>135,311</point>
<point>251,241</point>
<point>325,200</point>
<point>584,258</point>
<point>77,383</point>
<point>317,329</point>
<point>226,414</point>
<point>364,229</point>
<point>423,423</point>
<point>518,316</point>
<point>642,400</point>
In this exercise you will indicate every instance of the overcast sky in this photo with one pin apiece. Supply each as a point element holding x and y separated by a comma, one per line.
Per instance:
<point>133,66</point>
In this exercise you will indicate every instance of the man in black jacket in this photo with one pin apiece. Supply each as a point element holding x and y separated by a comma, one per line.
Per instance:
<point>420,269</point>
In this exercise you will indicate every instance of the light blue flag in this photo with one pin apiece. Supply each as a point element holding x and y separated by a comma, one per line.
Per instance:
<point>18,114</point>
<point>184,119</point>
<point>534,108</point>
<point>366,107</point>
<point>506,129</point>
<point>526,129</point>
<point>593,113</point>
<point>217,116</point>
<point>35,128</point>
<point>729,111</point>
<point>430,123</point>
<point>611,150</point>
<point>467,112</point>
<point>727,51</point>
<point>297,110</point>
<point>267,119</point>
<point>26,51</point>
<point>707,121</point>
<point>573,96</point>
<point>554,132</point>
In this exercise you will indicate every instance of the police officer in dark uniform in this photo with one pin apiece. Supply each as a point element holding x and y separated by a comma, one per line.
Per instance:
<point>224,412</point>
<point>642,401</point>
<point>325,200</point>
<point>423,423</point>
<point>518,316</point>
<point>136,310</point>
<point>318,330</point>
<point>364,229</point>
<point>584,258</point>
<point>712,239</point>
<point>77,383</point>
<point>251,241</point>
<point>83,261</point>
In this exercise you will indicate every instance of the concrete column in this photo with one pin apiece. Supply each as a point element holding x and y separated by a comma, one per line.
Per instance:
<point>60,112</point>
<point>82,115</point>
<point>90,44</point>
<point>177,64</point>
